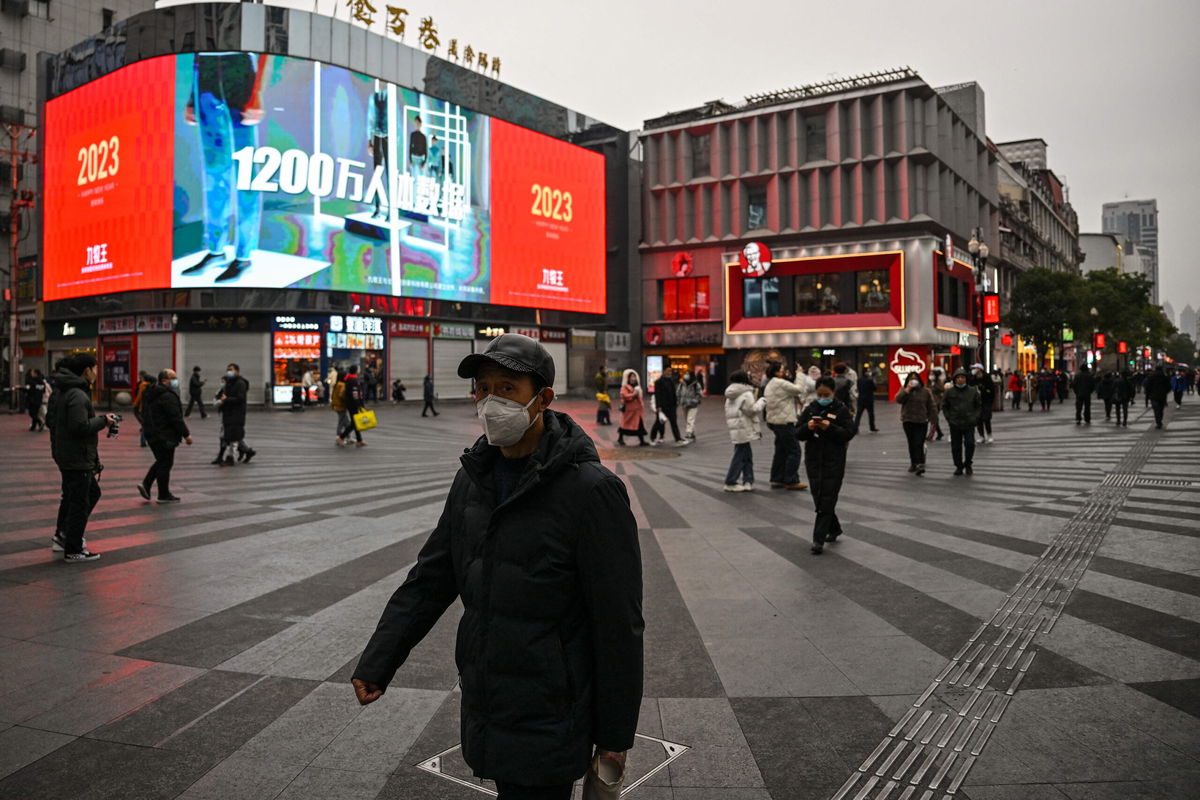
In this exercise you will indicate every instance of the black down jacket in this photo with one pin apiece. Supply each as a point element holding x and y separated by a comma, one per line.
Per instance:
<point>162,415</point>
<point>233,409</point>
<point>549,649</point>
<point>825,453</point>
<point>74,426</point>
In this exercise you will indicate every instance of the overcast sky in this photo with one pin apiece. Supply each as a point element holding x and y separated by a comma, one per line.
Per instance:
<point>1112,85</point>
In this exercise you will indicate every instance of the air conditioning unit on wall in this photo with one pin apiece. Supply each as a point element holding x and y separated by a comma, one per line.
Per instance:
<point>12,59</point>
<point>12,115</point>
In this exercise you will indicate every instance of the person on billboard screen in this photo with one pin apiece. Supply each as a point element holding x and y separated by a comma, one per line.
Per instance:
<point>225,105</point>
<point>539,543</point>
<point>418,148</point>
<point>377,136</point>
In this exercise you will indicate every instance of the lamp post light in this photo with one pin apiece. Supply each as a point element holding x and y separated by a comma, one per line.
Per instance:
<point>979,252</point>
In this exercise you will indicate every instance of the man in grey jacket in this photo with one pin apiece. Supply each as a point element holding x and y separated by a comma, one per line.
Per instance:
<point>781,395</point>
<point>689,400</point>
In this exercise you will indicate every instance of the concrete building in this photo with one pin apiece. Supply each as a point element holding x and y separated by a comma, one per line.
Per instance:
<point>811,225</point>
<point>407,288</point>
<point>1137,220</point>
<point>1103,250</point>
<point>1169,310</point>
<point>1189,322</point>
<point>30,30</point>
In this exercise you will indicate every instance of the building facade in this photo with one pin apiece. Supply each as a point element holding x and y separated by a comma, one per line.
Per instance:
<point>1137,220</point>
<point>29,28</point>
<point>1038,229</point>
<point>291,312</point>
<point>818,225</point>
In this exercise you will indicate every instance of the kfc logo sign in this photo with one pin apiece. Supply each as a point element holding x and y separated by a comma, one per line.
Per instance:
<point>682,265</point>
<point>755,260</point>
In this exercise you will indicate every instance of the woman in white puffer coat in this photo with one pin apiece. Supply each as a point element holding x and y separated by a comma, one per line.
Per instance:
<point>743,416</point>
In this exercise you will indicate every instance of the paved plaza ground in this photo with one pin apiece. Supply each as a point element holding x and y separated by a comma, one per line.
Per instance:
<point>1031,632</point>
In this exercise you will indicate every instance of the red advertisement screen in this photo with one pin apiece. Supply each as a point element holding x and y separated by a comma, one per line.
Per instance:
<point>109,178</point>
<point>547,222</point>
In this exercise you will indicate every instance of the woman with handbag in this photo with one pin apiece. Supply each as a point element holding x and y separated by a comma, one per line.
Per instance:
<point>632,406</point>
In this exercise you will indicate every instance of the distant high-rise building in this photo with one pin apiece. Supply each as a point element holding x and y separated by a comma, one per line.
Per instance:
<point>1138,221</point>
<point>1189,322</point>
<point>1169,310</point>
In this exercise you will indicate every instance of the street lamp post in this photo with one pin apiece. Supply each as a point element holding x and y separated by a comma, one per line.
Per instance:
<point>979,252</point>
<point>1095,315</point>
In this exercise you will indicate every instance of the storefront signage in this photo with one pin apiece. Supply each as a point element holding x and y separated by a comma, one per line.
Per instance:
<point>289,344</point>
<point>583,339</point>
<point>1006,340</point>
<point>554,335</point>
<point>294,324</point>
<point>755,260</point>
<point>111,325</point>
<point>704,333</point>
<point>489,332</point>
<point>353,341</point>
<point>154,323</point>
<point>338,324</point>
<point>1068,335</point>
<point>532,333</point>
<point>400,327</point>
<point>118,366</point>
<point>28,323</point>
<point>964,339</point>
<point>991,309</point>
<point>442,331</point>
<point>223,322</point>
<point>78,329</point>
<point>617,341</point>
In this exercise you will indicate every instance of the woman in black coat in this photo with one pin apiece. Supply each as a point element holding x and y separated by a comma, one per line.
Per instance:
<point>828,427</point>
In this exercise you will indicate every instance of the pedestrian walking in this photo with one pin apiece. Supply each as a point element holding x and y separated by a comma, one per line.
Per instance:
<point>337,402</point>
<point>353,401</point>
<point>961,407</point>
<point>743,417</point>
<point>917,410</point>
<point>144,383</point>
<point>1123,390</point>
<point>846,390</point>
<point>866,401</point>
<point>332,376</point>
<point>632,408</point>
<point>35,393</point>
<point>538,541</point>
<point>162,418</point>
<point>603,399</point>
<point>307,382</point>
<point>1083,386</point>
<point>196,393</point>
<point>781,396</point>
<point>690,397</point>
<point>937,388</point>
<point>987,397</point>
<point>1046,387</point>
<point>1158,386</point>
<point>232,406</point>
<point>827,428</point>
<point>371,384</point>
<point>74,443</point>
<point>1062,385</point>
<point>1016,385</point>
<point>667,402</point>
<point>1179,386</point>
<point>1031,389</point>
<point>1105,390</point>
<point>430,395</point>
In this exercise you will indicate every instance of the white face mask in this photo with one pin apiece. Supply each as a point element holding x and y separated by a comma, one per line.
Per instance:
<point>504,421</point>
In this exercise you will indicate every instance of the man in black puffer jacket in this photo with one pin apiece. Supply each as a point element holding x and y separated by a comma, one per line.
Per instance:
<point>538,540</point>
<point>162,419</point>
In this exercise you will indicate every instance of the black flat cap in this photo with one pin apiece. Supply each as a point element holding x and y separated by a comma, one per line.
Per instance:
<point>511,351</point>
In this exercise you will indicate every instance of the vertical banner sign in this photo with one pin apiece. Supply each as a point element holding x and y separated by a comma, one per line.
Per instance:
<point>991,309</point>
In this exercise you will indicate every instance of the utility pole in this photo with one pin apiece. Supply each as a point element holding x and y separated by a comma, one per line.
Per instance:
<point>19,154</point>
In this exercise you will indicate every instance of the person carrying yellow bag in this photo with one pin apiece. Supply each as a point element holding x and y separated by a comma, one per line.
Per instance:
<point>352,398</point>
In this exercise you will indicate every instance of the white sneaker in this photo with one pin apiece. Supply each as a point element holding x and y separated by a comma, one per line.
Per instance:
<point>683,442</point>
<point>991,439</point>
<point>746,487</point>
<point>654,443</point>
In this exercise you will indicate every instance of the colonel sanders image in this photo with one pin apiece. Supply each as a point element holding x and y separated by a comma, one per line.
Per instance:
<point>753,264</point>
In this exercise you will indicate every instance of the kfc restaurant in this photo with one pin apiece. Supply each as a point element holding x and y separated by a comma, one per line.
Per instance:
<point>891,307</point>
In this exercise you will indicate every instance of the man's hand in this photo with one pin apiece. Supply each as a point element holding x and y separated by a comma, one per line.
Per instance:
<point>110,420</point>
<point>366,692</point>
<point>188,439</point>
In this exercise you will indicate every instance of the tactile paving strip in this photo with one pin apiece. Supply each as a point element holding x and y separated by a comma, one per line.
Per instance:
<point>932,748</point>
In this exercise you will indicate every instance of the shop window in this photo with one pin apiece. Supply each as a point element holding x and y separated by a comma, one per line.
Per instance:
<point>701,155</point>
<point>953,297</point>
<point>814,138</point>
<point>756,206</point>
<point>874,290</point>
<point>820,293</point>
<point>684,299</point>
<point>760,297</point>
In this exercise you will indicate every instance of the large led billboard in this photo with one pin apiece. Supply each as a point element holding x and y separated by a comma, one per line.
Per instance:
<point>246,170</point>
